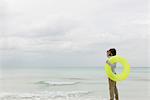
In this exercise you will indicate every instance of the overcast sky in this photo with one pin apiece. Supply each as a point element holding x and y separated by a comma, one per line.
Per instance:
<point>49,33</point>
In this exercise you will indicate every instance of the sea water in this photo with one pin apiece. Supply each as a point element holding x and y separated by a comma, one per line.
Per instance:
<point>58,83</point>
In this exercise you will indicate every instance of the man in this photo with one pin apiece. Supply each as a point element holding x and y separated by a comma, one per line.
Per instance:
<point>113,91</point>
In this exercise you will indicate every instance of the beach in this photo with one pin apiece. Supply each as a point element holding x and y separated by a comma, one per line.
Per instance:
<point>57,49</point>
<point>70,83</point>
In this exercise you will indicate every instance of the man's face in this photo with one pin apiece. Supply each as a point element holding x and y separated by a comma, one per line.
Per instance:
<point>108,53</point>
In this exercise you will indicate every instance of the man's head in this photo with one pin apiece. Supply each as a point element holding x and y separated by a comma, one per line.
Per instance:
<point>111,52</point>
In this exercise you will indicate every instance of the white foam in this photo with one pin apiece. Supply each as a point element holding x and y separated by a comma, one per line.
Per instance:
<point>58,83</point>
<point>45,95</point>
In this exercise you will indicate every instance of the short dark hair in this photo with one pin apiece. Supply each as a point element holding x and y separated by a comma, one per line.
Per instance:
<point>113,51</point>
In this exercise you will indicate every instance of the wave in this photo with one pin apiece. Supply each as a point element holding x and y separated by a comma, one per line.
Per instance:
<point>77,78</point>
<point>57,83</point>
<point>45,95</point>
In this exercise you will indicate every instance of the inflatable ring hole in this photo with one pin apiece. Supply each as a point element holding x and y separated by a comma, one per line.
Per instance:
<point>119,68</point>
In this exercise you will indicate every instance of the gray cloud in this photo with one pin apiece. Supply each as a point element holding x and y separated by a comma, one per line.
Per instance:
<point>73,28</point>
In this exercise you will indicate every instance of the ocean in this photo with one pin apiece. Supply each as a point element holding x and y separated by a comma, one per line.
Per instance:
<point>67,83</point>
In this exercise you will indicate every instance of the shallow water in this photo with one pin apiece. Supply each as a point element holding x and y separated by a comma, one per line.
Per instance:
<point>65,83</point>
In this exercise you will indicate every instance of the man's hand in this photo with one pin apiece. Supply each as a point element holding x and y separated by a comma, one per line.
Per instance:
<point>108,62</point>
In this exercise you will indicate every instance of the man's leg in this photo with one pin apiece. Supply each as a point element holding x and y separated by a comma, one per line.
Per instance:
<point>111,89</point>
<point>116,92</point>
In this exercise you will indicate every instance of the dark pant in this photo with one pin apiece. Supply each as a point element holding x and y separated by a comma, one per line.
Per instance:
<point>113,91</point>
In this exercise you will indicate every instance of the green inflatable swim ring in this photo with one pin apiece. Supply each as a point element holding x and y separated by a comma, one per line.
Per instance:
<point>125,72</point>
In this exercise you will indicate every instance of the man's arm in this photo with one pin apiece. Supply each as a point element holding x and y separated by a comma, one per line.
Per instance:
<point>112,65</point>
